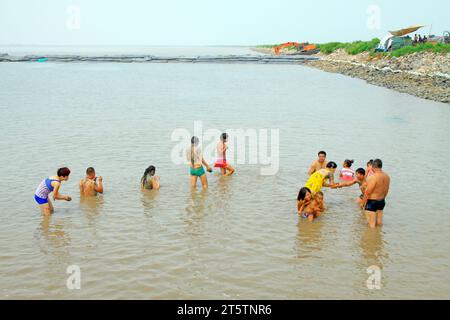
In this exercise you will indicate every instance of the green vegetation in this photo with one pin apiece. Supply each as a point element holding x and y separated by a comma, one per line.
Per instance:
<point>353,48</point>
<point>436,48</point>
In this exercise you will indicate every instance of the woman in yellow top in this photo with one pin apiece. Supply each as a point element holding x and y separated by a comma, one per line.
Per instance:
<point>317,180</point>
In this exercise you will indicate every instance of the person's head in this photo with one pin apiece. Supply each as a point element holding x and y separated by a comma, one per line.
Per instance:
<point>90,173</point>
<point>149,172</point>
<point>304,194</point>
<point>377,164</point>
<point>63,173</point>
<point>224,137</point>
<point>318,197</point>
<point>195,141</point>
<point>348,163</point>
<point>360,173</point>
<point>322,156</point>
<point>369,164</point>
<point>332,166</point>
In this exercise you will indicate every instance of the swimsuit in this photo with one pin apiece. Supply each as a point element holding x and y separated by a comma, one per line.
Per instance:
<point>222,159</point>
<point>315,182</point>
<point>43,190</point>
<point>305,215</point>
<point>347,174</point>
<point>198,172</point>
<point>375,205</point>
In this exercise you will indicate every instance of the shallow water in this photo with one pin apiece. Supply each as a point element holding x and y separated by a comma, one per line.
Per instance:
<point>242,238</point>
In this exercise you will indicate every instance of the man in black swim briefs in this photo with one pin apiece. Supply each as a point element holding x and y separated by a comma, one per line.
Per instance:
<point>375,194</point>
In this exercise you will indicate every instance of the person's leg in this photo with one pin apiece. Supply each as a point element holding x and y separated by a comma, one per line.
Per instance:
<point>223,171</point>
<point>230,170</point>
<point>193,181</point>
<point>371,218</point>
<point>46,209</point>
<point>380,217</point>
<point>204,181</point>
<point>50,205</point>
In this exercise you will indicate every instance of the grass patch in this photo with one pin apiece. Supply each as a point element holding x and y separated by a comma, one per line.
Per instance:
<point>353,48</point>
<point>436,48</point>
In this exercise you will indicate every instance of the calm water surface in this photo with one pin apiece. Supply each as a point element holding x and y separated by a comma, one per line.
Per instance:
<point>242,238</point>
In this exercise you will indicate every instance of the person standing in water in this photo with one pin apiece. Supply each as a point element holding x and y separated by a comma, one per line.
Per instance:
<point>317,180</point>
<point>375,194</point>
<point>221,162</point>
<point>346,173</point>
<point>149,180</point>
<point>49,185</point>
<point>91,184</point>
<point>195,159</point>
<point>320,163</point>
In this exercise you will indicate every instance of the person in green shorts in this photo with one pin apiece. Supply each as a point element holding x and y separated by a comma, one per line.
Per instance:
<point>195,159</point>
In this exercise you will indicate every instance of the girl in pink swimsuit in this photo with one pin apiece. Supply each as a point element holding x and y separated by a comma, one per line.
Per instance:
<point>347,174</point>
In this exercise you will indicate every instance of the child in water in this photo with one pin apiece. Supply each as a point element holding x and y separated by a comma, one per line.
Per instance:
<point>149,180</point>
<point>314,208</point>
<point>347,174</point>
<point>221,162</point>
<point>91,185</point>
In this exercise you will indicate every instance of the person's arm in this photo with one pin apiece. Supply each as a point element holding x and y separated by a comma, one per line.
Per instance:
<point>311,169</point>
<point>206,165</point>
<point>371,183</point>
<point>345,184</point>
<point>99,187</point>
<point>155,183</point>
<point>81,185</point>
<point>56,195</point>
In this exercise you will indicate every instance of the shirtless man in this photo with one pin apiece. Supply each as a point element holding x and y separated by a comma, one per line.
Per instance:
<point>89,186</point>
<point>320,163</point>
<point>375,194</point>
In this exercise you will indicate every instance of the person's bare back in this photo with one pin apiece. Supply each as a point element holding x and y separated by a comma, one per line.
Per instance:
<point>91,185</point>
<point>379,185</point>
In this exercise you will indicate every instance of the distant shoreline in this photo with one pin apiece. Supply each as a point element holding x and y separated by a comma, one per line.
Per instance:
<point>425,74</point>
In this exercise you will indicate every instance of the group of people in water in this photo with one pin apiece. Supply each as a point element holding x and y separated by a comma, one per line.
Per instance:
<point>373,182</point>
<point>91,185</point>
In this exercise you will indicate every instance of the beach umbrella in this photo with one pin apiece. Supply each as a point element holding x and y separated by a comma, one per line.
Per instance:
<point>404,32</point>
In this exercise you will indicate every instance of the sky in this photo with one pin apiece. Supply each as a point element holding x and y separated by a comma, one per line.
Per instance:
<point>211,22</point>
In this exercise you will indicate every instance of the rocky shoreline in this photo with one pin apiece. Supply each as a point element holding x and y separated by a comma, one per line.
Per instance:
<point>425,75</point>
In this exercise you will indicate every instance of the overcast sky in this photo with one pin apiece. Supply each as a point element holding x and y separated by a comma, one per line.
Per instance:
<point>211,22</point>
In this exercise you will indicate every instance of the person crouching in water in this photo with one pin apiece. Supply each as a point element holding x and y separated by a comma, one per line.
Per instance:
<point>49,185</point>
<point>149,180</point>
<point>91,184</point>
<point>221,162</point>
<point>195,159</point>
<point>304,198</point>
<point>314,208</point>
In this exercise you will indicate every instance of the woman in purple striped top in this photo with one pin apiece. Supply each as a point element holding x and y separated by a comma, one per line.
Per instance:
<point>49,185</point>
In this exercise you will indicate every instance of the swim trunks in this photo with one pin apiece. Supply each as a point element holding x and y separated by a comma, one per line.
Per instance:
<point>40,201</point>
<point>305,215</point>
<point>375,205</point>
<point>198,172</point>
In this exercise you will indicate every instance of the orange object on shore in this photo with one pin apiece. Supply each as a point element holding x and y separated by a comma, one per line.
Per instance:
<point>305,47</point>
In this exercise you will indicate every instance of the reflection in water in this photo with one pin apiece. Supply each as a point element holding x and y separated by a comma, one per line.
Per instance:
<point>372,247</point>
<point>91,205</point>
<point>53,240</point>
<point>222,196</point>
<point>195,209</point>
<point>309,238</point>
<point>150,200</point>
